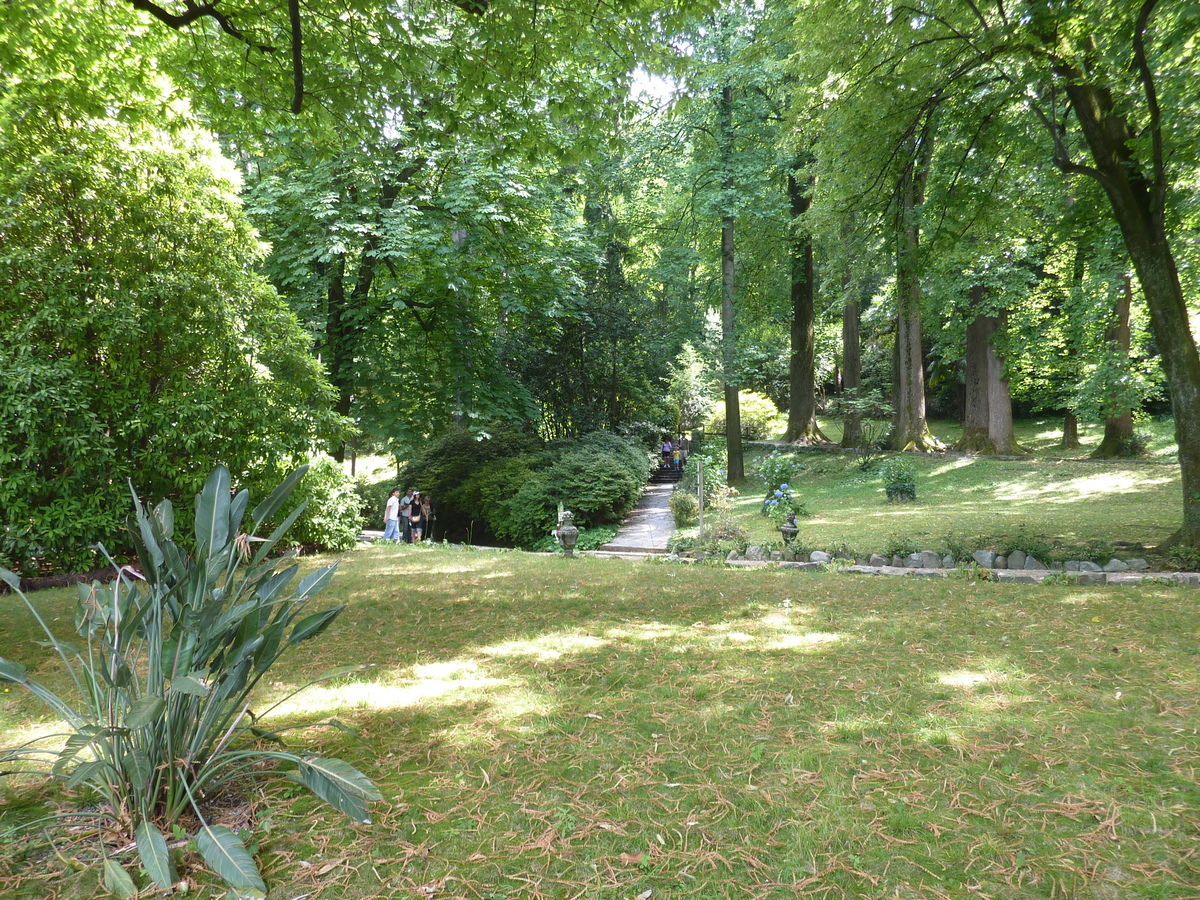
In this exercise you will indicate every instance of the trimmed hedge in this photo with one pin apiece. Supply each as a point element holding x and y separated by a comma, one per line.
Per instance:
<point>512,485</point>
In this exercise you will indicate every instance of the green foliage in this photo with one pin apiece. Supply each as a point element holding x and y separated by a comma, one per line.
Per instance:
<point>332,517</point>
<point>589,539</point>
<point>164,681</point>
<point>901,545</point>
<point>685,507</point>
<point>713,457</point>
<point>514,485</point>
<point>690,391</point>
<point>782,504</point>
<point>760,417</point>
<point>899,477</point>
<point>781,467</point>
<point>139,340</point>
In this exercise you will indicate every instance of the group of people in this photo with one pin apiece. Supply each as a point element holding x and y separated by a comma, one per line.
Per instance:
<point>407,518</point>
<point>675,453</point>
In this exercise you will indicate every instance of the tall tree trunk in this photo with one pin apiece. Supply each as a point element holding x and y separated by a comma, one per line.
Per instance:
<point>735,466</point>
<point>851,373</point>
<point>1070,436</point>
<point>1138,201</point>
<point>1118,429</point>
<point>910,431</point>
<point>987,422</point>
<point>802,425</point>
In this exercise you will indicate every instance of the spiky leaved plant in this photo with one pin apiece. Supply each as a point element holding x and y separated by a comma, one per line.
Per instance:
<point>160,716</point>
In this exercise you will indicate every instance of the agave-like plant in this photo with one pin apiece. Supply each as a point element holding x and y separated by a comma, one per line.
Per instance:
<point>160,717</point>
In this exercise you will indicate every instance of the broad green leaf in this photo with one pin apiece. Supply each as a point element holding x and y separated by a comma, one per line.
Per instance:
<point>11,671</point>
<point>117,880</point>
<point>186,684</point>
<point>279,532</point>
<point>237,509</point>
<point>227,856</point>
<point>137,769</point>
<point>144,711</point>
<point>10,578</point>
<point>89,771</point>
<point>268,507</point>
<point>156,858</point>
<point>212,513</point>
<point>314,582</point>
<point>339,784</point>
<point>313,625</point>
<point>269,589</point>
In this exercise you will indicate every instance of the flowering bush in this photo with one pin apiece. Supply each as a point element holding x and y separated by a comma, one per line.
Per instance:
<point>780,467</point>
<point>782,503</point>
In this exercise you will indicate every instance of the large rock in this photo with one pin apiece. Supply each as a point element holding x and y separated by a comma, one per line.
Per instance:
<point>1033,564</point>
<point>819,556</point>
<point>756,554</point>
<point>913,560</point>
<point>1001,561</point>
<point>1090,577</point>
<point>948,561</point>
<point>776,556</point>
<point>1021,577</point>
<point>878,560</point>
<point>930,560</point>
<point>1138,565</point>
<point>1089,566</point>
<point>1016,559</point>
<point>1115,565</point>
<point>1071,565</point>
<point>985,558</point>
<point>733,556</point>
<point>897,562</point>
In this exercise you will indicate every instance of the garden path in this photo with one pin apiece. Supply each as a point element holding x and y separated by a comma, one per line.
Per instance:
<point>649,526</point>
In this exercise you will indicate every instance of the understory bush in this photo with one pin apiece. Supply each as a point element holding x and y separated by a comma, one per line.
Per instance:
<point>899,476</point>
<point>513,485</point>
<point>781,467</point>
<point>782,504</point>
<point>760,417</point>
<point>164,683</point>
<point>685,507</point>
<point>332,517</point>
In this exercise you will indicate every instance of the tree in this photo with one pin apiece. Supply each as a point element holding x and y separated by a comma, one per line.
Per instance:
<point>140,342</point>
<point>1110,85</point>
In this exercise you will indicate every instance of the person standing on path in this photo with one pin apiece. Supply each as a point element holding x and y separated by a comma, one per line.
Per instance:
<point>406,503</point>
<point>391,517</point>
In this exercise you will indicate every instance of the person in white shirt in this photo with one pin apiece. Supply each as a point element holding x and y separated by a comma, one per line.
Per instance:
<point>391,517</point>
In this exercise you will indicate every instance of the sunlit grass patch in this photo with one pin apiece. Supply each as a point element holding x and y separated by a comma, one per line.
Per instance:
<point>600,729</point>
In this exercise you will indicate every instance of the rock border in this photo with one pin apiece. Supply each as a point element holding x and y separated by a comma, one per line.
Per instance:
<point>927,564</point>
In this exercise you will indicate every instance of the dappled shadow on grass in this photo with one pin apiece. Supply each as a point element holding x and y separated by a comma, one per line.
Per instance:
<point>601,729</point>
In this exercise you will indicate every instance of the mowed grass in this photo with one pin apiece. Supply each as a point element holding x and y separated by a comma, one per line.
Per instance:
<point>1061,508</point>
<point>552,728</point>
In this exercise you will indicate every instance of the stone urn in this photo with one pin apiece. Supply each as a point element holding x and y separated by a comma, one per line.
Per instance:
<point>789,530</point>
<point>567,533</point>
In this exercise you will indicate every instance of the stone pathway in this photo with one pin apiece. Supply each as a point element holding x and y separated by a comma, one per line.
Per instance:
<point>648,527</point>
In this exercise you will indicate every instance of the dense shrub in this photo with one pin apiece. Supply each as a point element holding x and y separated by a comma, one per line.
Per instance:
<point>596,483</point>
<point>513,486</point>
<point>139,339</point>
<point>448,469</point>
<point>760,417</point>
<point>332,520</point>
<point>685,507</point>
<point>781,467</point>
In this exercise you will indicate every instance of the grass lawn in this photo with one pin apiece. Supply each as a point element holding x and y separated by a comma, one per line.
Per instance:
<point>552,728</point>
<point>1054,506</point>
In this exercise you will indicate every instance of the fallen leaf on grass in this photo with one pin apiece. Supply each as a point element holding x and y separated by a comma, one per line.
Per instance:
<point>645,895</point>
<point>631,859</point>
